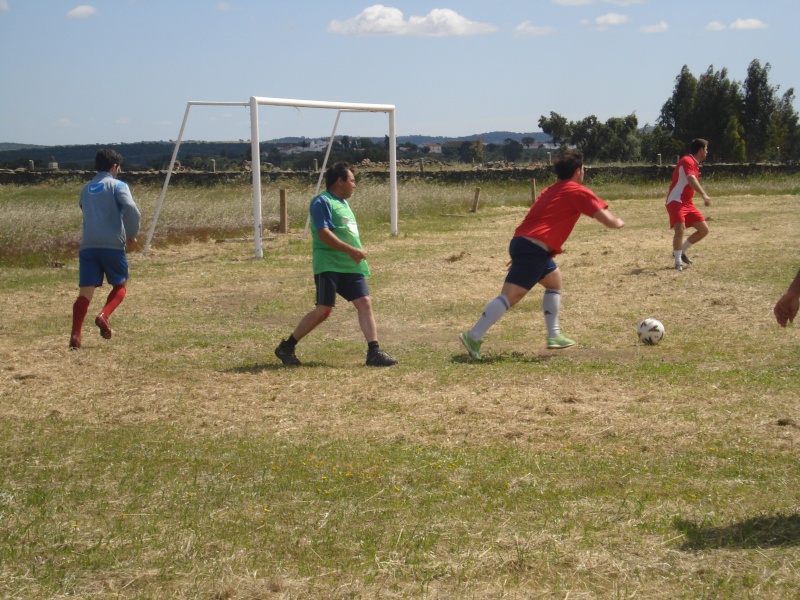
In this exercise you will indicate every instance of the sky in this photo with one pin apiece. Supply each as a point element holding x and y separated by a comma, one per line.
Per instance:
<point>120,71</point>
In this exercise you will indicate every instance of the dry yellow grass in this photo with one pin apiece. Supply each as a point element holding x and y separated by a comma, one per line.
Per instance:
<point>192,352</point>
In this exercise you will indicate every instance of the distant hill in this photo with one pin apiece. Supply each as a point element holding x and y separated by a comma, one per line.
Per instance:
<point>140,154</point>
<point>12,146</point>
<point>492,137</point>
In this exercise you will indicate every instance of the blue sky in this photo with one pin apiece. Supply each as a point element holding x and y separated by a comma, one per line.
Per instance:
<point>114,71</point>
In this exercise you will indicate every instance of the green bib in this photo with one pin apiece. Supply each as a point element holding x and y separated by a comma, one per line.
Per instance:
<point>345,228</point>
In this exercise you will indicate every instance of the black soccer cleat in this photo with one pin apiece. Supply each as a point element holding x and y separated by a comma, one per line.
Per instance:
<point>286,353</point>
<point>379,358</point>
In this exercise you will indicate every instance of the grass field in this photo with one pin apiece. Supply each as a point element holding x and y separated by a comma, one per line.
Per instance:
<point>180,459</point>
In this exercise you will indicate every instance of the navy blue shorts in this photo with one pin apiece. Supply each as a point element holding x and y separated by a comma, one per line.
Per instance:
<point>530,263</point>
<point>350,286</point>
<point>94,263</point>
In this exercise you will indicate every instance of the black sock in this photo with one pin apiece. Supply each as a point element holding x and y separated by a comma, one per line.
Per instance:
<point>291,341</point>
<point>372,346</point>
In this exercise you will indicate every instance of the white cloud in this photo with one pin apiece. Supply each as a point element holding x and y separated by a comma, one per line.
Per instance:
<point>658,28</point>
<point>530,30</point>
<point>65,122</point>
<point>84,11</point>
<point>224,7</point>
<point>612,19</point>
<point>123,121</point>
<point>4,5</point>
<point>625,2</point>
<point>573,2</point>
<point>748,24</point>
<point>385,20</point>
<point>738,24</point>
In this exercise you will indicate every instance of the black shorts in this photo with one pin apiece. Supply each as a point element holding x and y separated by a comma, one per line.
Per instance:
<point>350,286</point>
<point>530,263</point>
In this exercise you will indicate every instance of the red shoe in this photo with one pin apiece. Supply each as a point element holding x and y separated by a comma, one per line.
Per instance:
<point>105,329</point>
<point>75,341</point>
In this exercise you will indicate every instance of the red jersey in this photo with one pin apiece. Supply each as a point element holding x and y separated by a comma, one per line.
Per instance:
<point>555,212</point>
<point>680,190</point>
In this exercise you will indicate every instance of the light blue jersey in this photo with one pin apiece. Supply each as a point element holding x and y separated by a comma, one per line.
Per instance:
<point>109,213</point>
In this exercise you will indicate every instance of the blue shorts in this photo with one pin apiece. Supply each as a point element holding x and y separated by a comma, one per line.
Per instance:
<point>94,263</point>
<point>350,286</point>
<point>530,263</point>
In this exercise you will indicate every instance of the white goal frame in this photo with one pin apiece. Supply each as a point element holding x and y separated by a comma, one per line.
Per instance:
<point>255,148</point>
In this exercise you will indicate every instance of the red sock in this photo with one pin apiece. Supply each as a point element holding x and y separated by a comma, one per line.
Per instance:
<point>116,296</point>
<point>79,309</point>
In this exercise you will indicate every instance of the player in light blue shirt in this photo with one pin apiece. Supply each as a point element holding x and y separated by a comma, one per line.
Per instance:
<point>110,222</point>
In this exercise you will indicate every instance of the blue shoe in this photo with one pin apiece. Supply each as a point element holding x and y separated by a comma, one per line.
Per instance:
<point>472,346</point>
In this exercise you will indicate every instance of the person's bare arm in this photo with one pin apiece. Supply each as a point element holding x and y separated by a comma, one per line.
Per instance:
<point>328,237</point>
<point>695,183</point>
<point>786,308</point>
<point>606,218</point>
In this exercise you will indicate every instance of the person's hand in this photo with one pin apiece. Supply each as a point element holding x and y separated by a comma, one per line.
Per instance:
<point>358,254</point>
<point>786,309</point>
<point>706,199</point>
<point>131,241</point>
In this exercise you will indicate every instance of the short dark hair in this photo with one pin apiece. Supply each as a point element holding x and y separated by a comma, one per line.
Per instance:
<point>105,159</point>
<point>697,145</point>
<point>567,162</point>
<point>336,172</point>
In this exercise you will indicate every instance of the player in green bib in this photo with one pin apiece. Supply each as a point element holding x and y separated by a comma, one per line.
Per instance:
<point>340,267</point>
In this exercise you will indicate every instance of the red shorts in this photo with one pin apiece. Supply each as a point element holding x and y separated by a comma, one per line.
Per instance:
<point>681,212</point>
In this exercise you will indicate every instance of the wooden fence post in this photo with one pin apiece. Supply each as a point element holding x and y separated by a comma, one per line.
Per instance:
<point>475,201</point>
<point>283,226</point>
<point>533,190</point>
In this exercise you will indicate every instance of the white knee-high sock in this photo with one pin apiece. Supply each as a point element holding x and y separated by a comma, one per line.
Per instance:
<point>551,305</point>
<point>686,245</point>
<point>491,315</point>
<point>676,254</point>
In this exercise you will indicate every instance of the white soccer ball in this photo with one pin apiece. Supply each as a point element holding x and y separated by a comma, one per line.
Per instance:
<point>650,331</point>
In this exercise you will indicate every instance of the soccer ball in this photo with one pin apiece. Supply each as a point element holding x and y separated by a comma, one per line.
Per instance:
<point>650,331</point>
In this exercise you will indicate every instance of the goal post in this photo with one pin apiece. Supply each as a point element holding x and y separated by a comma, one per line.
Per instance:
<point>255,145</point>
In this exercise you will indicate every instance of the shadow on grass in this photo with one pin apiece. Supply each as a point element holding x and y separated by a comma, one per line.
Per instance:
<point>756,532</point>
<point>276,366</point>
<point>501,358</point>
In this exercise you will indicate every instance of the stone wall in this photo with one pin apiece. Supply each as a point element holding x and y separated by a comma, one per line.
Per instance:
<point>202,178</point>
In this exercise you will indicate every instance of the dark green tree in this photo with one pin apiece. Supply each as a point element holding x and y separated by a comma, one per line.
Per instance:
<point>587,136</point>
<point>784,140</point>
<point>733,141</point>
<point>660,141</point>
<point>477,151</point>
<point>512,150</point>
<point>618,139</point>
<point>718,100</point>
<point>759,104</point>
<point>556,127</point>
<point>465,152</point>
<point>677,115</point>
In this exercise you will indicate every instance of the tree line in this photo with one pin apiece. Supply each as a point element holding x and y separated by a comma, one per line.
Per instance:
<point>743,122</point>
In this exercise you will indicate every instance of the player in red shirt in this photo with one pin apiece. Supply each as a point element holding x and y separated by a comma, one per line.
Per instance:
<point>537,239</point>
<point>680,206</point>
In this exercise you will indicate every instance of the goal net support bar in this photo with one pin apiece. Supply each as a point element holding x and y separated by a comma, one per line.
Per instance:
<point>254,103</point>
